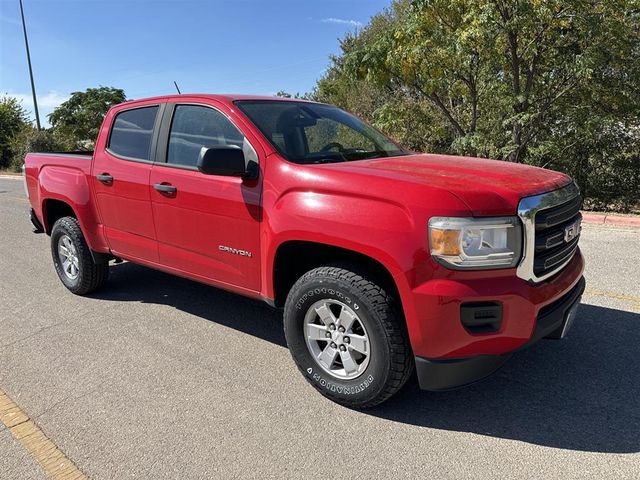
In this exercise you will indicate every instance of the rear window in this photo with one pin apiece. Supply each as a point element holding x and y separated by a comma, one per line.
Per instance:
<point>132,132</point>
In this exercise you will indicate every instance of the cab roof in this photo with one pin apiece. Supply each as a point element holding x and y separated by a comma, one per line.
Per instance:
<point>225,98</point>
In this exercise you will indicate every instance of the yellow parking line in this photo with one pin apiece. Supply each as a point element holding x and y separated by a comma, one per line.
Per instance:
<point>51,459</point>
<point>635,301</point>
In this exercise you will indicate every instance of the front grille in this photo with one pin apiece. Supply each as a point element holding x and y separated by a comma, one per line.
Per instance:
<point>551,248</point>
<point>549,239</point>
<point>551,217</point>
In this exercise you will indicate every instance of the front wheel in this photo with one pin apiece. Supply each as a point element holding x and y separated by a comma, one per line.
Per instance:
<point>346,337</point>
<point>72,259</point>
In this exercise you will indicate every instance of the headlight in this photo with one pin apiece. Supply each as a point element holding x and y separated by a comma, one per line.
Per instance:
<point>475,243</point>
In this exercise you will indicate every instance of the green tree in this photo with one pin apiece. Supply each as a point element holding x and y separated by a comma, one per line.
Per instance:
<point>30,139</point>
<point>285,94</point>
<point>13,119</point>
<point>78,120</point>
<point>548,82</point>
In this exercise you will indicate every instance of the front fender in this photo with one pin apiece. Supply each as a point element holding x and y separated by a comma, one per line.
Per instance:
<point>379,229</point>
<point>382,230</point>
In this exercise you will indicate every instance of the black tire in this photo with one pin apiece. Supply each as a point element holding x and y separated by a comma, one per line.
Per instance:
<point>390,363</point>
<point>90,275</point>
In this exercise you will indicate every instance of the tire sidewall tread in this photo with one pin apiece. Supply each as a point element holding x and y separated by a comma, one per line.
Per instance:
<point>91,275</point>
<point>390,364</point>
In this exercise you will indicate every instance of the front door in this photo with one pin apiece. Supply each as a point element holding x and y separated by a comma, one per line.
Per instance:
<point>120,177</point>
<point>207,226</point>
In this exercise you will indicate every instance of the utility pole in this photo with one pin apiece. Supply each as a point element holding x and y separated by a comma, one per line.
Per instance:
<point>33,86</point>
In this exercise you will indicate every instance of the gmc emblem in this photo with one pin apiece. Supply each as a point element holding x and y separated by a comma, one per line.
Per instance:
<point>572,231</point>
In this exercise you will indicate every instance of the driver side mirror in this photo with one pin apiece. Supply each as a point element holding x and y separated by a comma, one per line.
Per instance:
<point>225,160</point>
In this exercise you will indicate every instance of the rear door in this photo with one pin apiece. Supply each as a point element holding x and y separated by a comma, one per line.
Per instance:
<point>207,226</point>
<point>121,170</point>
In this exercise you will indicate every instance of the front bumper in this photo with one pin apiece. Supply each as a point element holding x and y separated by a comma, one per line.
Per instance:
<point>433,310</point>
<point>443,374</point>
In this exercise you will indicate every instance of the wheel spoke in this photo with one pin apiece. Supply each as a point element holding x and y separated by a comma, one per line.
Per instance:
<point>328,356</point>
<point>359,343</point>
<point>68,257</point>
<point>346,319</point>
<point>325,314</point>
<point>316,332</point>
<point>340,331</point>
<point>63,250</point>
<point>349,364</point>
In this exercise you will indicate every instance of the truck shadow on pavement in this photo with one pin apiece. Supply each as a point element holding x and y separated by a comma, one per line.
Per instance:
<point>582,393</point>
<point>129,282</point>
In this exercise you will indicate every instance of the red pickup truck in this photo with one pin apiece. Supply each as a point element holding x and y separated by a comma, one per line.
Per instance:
<point>384,260</point>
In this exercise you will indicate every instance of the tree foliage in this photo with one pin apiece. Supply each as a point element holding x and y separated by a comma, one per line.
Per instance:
<point>13,119</point>
<point>75,125</point>
<point>30,139</point>
<point>78,120</point>
<point>547,82</point>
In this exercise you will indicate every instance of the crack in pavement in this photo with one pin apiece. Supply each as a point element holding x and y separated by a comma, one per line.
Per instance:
<point>31,335</point>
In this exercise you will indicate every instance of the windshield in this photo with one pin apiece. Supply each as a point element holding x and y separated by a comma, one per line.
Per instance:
<point>306,132</point>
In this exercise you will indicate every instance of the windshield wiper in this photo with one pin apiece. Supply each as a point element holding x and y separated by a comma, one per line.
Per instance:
<point>328,160</point>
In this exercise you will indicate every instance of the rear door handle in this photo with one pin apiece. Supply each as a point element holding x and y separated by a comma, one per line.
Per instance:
<point>164,188</point>
<point>105,178</point>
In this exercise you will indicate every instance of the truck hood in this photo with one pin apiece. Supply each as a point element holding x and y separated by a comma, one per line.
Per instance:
<point>487,187</point>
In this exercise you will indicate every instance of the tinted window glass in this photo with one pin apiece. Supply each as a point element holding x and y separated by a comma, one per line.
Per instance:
<point>306,132</point>
<point>194,127</point>
<point>132,132</point>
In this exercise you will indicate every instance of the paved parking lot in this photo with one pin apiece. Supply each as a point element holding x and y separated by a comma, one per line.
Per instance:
<point>159,377</point>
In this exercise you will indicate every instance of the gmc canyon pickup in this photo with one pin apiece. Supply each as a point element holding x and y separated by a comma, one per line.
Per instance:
<point>384,260</point>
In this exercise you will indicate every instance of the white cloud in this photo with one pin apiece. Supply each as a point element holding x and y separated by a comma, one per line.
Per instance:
<point>46,103</point>
<point>49,100</point>
<point>342,21</point>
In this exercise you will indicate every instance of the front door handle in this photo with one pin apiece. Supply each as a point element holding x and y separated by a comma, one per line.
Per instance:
<point>105,178</point>
<point>164,188</point>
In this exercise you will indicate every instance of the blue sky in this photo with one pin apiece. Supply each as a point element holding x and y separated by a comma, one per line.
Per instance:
<point>215,46</point>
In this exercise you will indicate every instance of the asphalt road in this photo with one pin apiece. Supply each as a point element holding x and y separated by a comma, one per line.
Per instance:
<point>159,377</point>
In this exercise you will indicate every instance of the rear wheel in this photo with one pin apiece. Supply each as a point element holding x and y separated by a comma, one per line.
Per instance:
<point>72,258</point>
<point>346,337</point>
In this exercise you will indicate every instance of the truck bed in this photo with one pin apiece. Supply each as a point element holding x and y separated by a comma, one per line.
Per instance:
<point>57,173</point>
<point>75,154</point>
<point>34,162</point>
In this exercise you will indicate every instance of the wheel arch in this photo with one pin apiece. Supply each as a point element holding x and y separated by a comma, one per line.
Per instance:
<point>54,209</point>
<point>293,258</point>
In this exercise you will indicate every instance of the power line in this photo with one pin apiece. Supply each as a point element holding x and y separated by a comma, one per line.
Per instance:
<point>33,86</point>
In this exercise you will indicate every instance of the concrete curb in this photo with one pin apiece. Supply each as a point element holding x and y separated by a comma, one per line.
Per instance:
<point>614,220</point>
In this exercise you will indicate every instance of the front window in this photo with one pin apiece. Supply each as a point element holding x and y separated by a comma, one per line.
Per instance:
<point>305,132</point>
<point>194,127</point>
